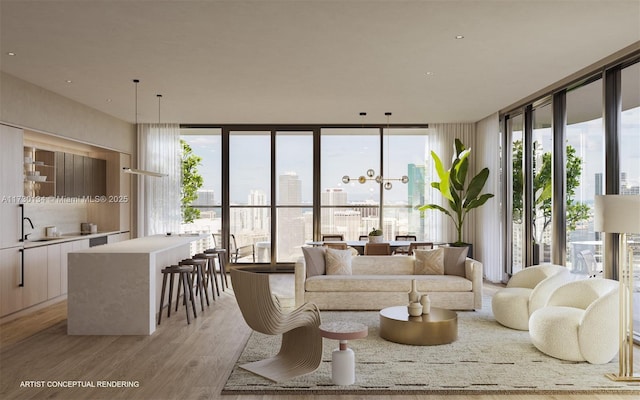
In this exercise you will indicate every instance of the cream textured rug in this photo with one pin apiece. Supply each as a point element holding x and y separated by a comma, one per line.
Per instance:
<point>486,359</point>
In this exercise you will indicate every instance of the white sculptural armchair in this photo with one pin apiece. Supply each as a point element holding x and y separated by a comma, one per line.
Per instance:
<point>579,322</point>
<point>301,349</point>
<point>526,291</point>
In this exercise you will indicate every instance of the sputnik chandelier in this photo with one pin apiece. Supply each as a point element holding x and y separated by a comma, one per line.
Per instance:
<point>371,174</point>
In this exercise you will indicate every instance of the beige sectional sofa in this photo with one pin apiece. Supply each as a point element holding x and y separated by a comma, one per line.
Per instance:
<point>377,282</point>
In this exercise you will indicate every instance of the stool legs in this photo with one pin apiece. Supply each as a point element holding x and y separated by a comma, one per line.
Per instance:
<point>184,281</point>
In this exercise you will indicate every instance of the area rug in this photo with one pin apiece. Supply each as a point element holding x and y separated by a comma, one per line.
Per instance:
<point>485,359</point>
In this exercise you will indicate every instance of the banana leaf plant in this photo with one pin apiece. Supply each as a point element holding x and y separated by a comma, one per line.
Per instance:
<point>462,197</point>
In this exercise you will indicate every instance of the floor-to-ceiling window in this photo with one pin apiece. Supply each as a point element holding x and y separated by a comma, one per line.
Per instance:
<point>630,166</point>
<point>249,191</point>
<point>352,208</point>
<point>294,195</point>
<point>407,153</point>
<point>515,132</point>
<point>205,144</point>
<point>584,174</point>
<point>542,154</point>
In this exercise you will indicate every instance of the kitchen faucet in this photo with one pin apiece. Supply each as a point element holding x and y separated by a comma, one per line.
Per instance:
<point>30,223</point>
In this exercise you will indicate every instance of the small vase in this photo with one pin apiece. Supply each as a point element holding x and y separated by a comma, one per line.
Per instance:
<point>414,309</point>
<point>414,295</point>
<point>425,301</point>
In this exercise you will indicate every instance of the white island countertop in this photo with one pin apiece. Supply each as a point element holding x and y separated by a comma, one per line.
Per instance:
<point>147,244</point>
<point>114,289</point>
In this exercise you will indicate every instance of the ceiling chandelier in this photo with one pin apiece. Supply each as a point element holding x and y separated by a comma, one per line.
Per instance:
<point>371,174</point>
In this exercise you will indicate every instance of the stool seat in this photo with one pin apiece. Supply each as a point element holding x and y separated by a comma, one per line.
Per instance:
<point>198,267</point>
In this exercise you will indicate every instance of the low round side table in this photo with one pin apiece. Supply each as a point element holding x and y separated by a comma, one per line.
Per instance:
<point>343,363</point>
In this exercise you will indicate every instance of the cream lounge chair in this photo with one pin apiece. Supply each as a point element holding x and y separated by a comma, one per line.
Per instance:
<point>301,349</point>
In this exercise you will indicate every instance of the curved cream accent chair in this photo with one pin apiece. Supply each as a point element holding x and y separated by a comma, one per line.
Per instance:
<point>580,322</point>
<point>301,349</point>
<point>526,291</point>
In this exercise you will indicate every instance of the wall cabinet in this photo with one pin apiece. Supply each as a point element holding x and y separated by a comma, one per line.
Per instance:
<point>81,176</point>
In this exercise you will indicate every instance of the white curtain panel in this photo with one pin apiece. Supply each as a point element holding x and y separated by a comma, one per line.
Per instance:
<point>159,197</point>
<point>442,141</point>
<point>489,235</point>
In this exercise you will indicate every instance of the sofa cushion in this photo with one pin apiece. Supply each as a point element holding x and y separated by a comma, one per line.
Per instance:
<point>454,258</point>
<point>314,260</point>
<point>429,262</point>
<point>387,283</point>
<point>382,265</point>
<point>338,262</point>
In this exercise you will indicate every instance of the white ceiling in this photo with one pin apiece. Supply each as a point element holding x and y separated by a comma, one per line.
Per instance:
<point>307,61</point>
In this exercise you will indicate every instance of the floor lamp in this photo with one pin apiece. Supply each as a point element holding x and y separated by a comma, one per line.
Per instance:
<point>621,214</point>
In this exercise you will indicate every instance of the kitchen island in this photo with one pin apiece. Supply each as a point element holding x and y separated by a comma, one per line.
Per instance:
<point>114,289</point>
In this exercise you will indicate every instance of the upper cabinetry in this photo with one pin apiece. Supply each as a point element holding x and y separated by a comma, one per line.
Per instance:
<point>78,176</point>
<point>39,172</point>
<point>62,174</point>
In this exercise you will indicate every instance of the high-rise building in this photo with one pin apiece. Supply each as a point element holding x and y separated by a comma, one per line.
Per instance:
<point>331,197</point>
<point>290,220</point>
<point>205,198</point>
<point>416,196</point>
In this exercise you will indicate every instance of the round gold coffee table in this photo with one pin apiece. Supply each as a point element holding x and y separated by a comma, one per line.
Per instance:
<point>440,326</point>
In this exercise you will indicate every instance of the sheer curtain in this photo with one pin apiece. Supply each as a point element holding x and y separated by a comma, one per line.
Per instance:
<point>489,235</point>
<point>159,198</point>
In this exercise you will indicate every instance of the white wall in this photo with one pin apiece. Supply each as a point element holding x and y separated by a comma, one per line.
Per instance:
<point>29,106</point>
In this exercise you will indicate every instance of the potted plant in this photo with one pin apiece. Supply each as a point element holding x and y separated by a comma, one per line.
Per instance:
<point>462,196</point>
<point>375,236</point>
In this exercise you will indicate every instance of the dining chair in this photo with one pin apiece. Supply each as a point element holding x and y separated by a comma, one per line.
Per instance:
<point>419,245</point>
<point>336,245</point>
<point>377,249</point>
<point>404,250</point>
<point>333,237</point>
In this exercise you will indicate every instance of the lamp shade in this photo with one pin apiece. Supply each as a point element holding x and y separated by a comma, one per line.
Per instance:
<point>615,213</point>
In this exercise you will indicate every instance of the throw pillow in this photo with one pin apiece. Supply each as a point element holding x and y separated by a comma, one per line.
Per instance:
<point>454,258</point>
<point>429,262</point>
<point>314,260</point>
<point>338,262</point>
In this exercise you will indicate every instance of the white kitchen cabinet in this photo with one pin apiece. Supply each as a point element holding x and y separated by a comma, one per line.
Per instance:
<point>22,286</point>
<point>54,266</point>
<point>10,278</point>
<point>11,185</point>
<point>35,276</point>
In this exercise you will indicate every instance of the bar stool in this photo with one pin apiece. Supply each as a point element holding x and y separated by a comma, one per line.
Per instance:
<point>184,279</point>
<point>197,266</point>
<point>222,261</point>
<point>210,272</point>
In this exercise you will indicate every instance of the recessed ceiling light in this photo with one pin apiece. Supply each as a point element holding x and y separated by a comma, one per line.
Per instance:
<point>429,73</point>
<point>109,100</point>
<point>459,37</point>
<point>69,81</point>
<point>11,53</point>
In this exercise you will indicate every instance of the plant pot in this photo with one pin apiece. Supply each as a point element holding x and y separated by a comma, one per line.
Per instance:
<point>376,239</point>
<point>468,245</point>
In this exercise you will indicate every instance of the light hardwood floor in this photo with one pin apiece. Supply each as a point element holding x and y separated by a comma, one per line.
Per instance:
<point>178,361</point>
